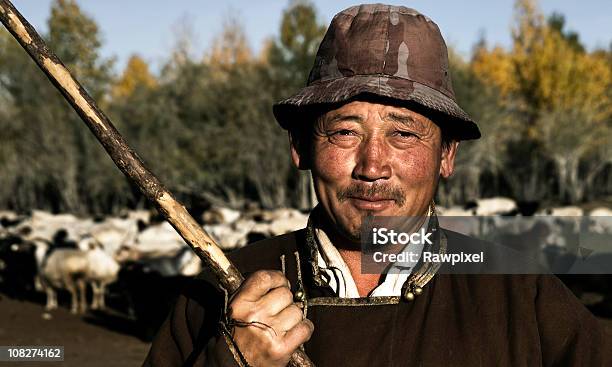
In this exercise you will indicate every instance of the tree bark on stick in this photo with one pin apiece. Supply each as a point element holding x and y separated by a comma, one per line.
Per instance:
<point>125,158</point>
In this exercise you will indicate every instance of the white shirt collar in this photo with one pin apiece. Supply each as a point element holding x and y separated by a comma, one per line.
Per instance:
<point>339,278</point>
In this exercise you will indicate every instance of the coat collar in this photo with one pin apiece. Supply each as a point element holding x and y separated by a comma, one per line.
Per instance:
<point>421,275</point>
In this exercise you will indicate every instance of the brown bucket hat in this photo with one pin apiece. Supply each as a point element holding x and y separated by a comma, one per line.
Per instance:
<point>387,51</point>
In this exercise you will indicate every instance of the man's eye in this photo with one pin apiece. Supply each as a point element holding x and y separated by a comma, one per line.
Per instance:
<point>405,134</point>
<point>344,138</point>
<point>343,132</point>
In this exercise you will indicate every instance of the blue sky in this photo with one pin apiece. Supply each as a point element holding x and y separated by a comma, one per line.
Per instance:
<point>147,27</point>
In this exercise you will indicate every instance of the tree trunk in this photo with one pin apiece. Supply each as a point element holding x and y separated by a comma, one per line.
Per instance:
<point>562,175</point>
<point>575,184</point>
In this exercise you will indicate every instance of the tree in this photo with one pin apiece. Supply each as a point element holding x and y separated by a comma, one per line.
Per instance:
<point>292,55</point>
<point>55,159</point>
<point>136,75</point>
<point>484,157</point>
<point>549,77</point>
<point>239,115</point>
<point>556,22</point>
<point>75,38</point>
<point>290,59</point>
<point>231,47</point>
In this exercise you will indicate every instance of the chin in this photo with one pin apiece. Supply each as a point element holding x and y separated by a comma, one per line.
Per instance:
<point>351,228</point>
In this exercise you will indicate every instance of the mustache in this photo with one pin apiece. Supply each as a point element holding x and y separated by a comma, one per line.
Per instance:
<point>378,191</point>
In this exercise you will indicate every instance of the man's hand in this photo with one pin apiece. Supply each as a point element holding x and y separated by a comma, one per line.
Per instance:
<point>276,328</point>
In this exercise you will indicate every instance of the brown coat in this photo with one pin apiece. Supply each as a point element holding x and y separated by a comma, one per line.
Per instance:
<point>459,320</point>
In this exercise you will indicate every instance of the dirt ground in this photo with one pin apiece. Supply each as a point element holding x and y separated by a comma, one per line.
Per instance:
<point>85,341</point>
<point>88,341</point>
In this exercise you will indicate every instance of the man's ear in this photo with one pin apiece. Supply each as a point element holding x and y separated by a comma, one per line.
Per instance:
<point>447,162</point>
<point>299,152</point>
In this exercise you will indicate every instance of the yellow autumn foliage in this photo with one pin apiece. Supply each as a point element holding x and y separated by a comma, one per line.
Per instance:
<point>136,74</point>
<point>545,71</point>
<point>495,67</point>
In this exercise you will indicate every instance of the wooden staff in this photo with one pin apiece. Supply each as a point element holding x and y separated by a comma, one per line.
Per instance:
<point>125,158</point>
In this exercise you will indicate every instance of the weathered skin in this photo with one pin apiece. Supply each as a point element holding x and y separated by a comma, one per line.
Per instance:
<point>371,158</point>
<point>265,297</point>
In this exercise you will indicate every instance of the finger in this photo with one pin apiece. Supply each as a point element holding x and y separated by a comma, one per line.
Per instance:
<point>287,319</point>
<point>298,335</point>
<point>260,283</point>
<point>276,300</point>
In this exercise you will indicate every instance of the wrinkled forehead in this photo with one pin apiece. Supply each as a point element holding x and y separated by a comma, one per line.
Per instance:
<point>364,111</point>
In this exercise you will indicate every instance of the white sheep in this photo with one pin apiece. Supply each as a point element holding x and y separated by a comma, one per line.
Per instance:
<point>102,270</point>
<point>73,269</point>
<point>65,269</point>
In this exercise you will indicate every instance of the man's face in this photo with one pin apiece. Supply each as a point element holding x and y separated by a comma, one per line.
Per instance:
<point>375,159</point>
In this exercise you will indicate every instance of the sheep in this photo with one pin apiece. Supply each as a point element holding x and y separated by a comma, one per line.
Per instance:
<point>113,233</point>
<point>564,211</point>
<point>102,270</point>
<point>46,226</point>
<point>73,269</point>
<point>220,215</point>
<point>493,206</point>
<point>600,220</point>
<point>65,269</point>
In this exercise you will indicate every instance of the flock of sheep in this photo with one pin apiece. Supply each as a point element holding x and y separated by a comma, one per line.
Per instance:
<point>64,252</point>
<point>70,253</point>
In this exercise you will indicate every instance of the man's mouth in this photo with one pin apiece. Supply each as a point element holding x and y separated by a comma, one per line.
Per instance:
<point>371,203</point>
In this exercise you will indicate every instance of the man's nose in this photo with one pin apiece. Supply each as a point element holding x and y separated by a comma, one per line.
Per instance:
<point>372,161</point>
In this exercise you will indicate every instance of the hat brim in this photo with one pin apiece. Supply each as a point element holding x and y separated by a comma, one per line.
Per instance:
<point>334,91</point>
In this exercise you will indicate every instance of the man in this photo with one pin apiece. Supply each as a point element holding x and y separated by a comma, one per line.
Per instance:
<point>377,126</point>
